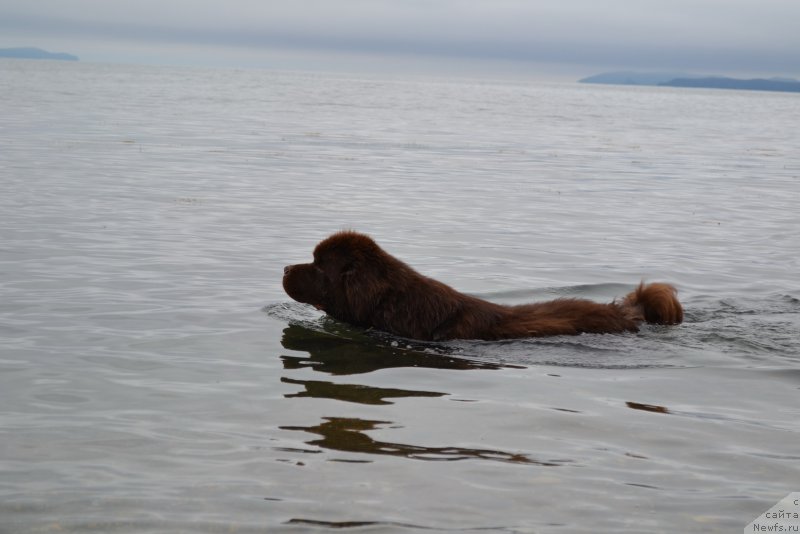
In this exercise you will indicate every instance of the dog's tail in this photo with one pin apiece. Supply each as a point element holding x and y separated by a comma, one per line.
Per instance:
<point>655,303</point>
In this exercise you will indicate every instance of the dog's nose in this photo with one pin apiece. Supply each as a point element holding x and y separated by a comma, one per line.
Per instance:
<point>286,270</point>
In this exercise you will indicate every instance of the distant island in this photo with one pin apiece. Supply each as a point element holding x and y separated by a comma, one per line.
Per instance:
<point>634,78</point>
<point>35,53</point>
<point>666,79</point>
<point>757,84</point>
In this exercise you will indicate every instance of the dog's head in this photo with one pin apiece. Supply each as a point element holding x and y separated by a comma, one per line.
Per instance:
<point>346,279</point>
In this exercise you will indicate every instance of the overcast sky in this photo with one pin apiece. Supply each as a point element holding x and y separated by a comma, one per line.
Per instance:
<point>734,37</point>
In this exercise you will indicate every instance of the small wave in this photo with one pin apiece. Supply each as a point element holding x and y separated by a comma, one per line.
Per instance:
<point>589,351</point>
<point>292,311</point>
<point>309,318</point>
<point>746,330</point>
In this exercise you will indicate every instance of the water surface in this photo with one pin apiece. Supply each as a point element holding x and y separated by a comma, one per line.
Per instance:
<point>155,377</point>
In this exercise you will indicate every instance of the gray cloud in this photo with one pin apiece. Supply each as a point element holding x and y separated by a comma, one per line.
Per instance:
<point>716,35</point>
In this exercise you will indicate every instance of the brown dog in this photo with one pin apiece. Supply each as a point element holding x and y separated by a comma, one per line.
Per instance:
<point>354,280</point>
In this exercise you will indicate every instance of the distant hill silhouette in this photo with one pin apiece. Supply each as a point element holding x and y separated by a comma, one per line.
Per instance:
<point>667,79</point>
<point>35,53</point>
<point>758,84</point>
<point>634,78</point>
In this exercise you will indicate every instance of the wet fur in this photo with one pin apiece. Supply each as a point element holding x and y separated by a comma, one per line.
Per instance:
<point>354,280</point>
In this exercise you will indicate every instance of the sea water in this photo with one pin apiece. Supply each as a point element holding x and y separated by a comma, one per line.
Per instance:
<point>154,377</point>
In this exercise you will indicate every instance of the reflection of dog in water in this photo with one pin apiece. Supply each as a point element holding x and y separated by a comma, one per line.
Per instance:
<point>321,389</point>
<point>348,435</point>
<point>354,280</point>
<point>328,353</point>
